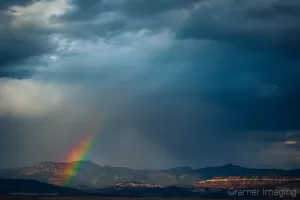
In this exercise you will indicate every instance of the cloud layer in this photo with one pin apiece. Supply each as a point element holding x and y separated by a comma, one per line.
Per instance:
<point>161,84</point>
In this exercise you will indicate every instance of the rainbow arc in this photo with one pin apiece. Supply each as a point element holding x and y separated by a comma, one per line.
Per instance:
<point>77,154</point>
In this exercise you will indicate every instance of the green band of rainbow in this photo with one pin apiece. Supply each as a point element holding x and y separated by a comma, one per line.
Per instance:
<point>78,153</point>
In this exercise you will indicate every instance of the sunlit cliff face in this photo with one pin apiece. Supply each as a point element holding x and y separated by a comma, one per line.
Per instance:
<point>245,182</point>
<point>290,142</point>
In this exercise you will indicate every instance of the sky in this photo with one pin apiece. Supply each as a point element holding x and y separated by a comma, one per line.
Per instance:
<point>157,84</point>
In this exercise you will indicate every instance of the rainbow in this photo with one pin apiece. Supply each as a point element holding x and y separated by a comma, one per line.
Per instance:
<point>77,154</point>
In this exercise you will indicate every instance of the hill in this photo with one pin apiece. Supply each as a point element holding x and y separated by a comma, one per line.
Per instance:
<point>33,187</point>
<point>91,175</point>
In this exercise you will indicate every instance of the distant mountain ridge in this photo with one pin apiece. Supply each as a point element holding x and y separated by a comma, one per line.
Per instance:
<point>91,175</point>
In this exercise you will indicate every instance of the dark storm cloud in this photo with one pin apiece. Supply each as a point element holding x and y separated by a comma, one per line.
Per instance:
<point>250,24</point>
<point>132,8</point>
<point>144,8</point>
<point>7,3</point>
<point>121,16</point>
<point>86,10</point>
<point>18,45</point>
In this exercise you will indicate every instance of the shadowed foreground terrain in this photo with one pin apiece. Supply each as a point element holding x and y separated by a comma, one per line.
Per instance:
<point>114,198</point>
